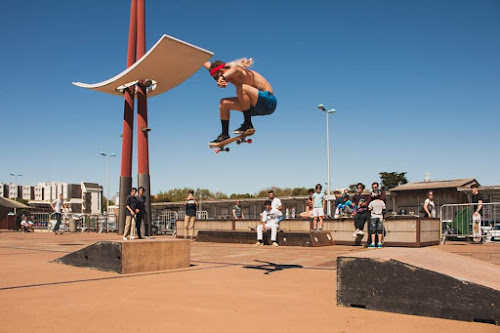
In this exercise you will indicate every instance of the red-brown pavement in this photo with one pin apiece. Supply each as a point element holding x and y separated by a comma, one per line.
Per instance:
<point>228,288</point>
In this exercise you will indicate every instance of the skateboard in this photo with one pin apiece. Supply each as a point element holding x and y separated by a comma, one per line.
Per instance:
<point>221,146</point>
<point>476,229</point>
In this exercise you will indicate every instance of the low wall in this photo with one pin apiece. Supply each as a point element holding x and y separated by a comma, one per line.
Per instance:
<point>408,231</point>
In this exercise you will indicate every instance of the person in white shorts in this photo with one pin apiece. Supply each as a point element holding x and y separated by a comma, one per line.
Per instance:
<point>270,218</point>
<point>26,225</point>
<point>318,208</point>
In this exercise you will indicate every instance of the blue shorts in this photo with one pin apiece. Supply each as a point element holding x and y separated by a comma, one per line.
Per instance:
<point>266,104</point>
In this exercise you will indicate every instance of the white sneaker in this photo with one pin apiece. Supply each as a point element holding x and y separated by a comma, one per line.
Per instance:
<point>124,238</point>
<point>132,237</point>
<point>275,244</point>
<point>259,243</point>
<point>355,234</point>
<point>361,232</point>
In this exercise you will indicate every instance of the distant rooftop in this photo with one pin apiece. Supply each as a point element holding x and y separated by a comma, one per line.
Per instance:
<point>436,184</point>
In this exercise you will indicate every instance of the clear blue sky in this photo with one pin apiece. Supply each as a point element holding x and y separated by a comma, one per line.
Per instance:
<point>416,86</point>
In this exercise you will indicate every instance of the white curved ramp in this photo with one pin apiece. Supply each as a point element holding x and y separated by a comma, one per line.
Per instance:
<point>169,62</point>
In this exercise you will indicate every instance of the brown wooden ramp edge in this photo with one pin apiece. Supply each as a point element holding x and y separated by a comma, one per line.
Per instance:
<point>131,256</point>
<point>425,282</point>
<point>250,237</point>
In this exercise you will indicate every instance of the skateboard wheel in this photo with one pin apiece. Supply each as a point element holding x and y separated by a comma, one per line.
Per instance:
<point>227,149</point>
<point>249,140</point>
<point>238,142</point>
<point>216,151</point>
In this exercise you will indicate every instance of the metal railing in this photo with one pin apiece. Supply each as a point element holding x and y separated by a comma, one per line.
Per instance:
<point>84,222</point>
<point>165,222</point>
<point>457,220</point>
<point>200,215</point>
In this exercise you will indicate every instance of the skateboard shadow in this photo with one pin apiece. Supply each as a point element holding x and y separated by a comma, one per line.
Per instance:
<point>270,267</point>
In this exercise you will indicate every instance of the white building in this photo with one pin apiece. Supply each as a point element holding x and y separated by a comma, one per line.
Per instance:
<point>3,190</point>
<point>14,191</point>
<point>28,192</point>
<point>91,198</point>
<point>82,198</point>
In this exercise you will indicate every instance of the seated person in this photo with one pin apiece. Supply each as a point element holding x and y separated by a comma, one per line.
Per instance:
<point>270,221</point>
<point>346,208</point>
<point>361,216</point>
<point>338,201</point>
<point>26,225</point>
<point>309,206</point>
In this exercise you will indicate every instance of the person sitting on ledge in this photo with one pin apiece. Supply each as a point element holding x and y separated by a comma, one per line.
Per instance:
<point>270,218</point>
<point>346,208</point>
<point>362,215</point>
<point>309,206</point>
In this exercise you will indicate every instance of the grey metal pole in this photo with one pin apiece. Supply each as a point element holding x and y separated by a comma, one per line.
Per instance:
<point>328,152</point>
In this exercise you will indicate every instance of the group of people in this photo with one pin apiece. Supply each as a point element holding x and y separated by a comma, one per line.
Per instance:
<point>362,207</point>
<point>135,211</point>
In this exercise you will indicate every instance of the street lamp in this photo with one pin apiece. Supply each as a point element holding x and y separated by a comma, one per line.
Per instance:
<point>107,187</point>
<point>332,111</point>
<point>17,189</point>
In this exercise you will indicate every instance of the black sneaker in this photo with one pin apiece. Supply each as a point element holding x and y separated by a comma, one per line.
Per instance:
<point>219,139</point>
<point>245,129</point>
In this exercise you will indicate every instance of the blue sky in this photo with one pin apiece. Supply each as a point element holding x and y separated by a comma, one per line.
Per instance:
<point>415,83</point>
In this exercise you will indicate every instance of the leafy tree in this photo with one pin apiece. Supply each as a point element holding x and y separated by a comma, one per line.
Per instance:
<point>392,179</point>
<point>241,196</point>
<point>353,187</point>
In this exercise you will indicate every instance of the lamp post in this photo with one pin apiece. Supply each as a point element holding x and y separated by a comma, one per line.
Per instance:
<point>15,175</point>
<point>107,187</point>
<point>327,112</point>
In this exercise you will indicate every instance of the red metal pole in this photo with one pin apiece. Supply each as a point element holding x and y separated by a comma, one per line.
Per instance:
<point>128,121</point>
<point>142,117</point>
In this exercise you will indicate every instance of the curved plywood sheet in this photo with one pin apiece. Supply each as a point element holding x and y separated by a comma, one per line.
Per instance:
<point>169,62</point>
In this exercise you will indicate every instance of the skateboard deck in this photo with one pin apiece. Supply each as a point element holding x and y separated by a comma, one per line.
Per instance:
<point>221,146</point>
<point>476,229</point>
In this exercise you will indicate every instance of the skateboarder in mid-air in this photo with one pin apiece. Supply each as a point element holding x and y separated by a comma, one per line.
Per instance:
<point>255,96</point>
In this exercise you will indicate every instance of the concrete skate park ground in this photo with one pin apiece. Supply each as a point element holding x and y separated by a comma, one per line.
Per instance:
<point>228,288</point>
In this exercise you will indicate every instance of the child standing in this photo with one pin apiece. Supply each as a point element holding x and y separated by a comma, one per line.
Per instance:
<point>318,208</point>
<point>377,208</point>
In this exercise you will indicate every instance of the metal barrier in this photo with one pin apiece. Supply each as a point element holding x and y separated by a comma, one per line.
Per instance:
<point>457,220</point>
<point>84,222</point>
<point>200,215</point>
<point>165,222</point>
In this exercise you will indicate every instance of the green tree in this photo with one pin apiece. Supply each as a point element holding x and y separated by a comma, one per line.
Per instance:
<point>353,187</point>
<point>392,179</point>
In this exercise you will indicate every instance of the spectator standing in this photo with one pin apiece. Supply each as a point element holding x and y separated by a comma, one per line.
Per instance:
<point>141,213</point>
<point>269,221</point>
<point>477,200</point>
<point>318,208</point>
<point>57,206</point>
<point>381,193</point>
<point>191,205</point>
<point>276,204</point>
<point>238,211</point>
<point>130,215</point>
<point>429,206</point>
<point>377,209</point>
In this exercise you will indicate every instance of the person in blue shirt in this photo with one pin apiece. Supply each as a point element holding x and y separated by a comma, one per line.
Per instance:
<point>318,208</point>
